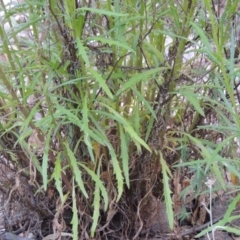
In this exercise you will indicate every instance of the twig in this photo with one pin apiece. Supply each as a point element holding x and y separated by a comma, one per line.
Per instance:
<point>139,215</point>
<point>200,228</point>
<point>16,186</point>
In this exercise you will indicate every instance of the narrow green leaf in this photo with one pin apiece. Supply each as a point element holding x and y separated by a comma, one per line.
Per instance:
<point>74,220</point>
<point>70,82</point>
<point>101,82</point>
<point>205,41</point>
<point>138,78</point>
<point>124,156</point>
<point>86,129</point>
<point>97,136</point>
<point>135,119</point>
<point>149,127</point>
<point>61,111</point>
<point>204,151</point>
<point>226,219</point>
<point>46,159</point>
<point>231,208</point>
<point>232,230</point>
<point>175,15</point>
<point>75,169</point>
<point>32,156</point>
<point>145,102</point>
<point>154,50</point>
<point>203,36</point>
<point>30,116</point>
<point>111,42</point>
<point>128,128</point>
<point>102,12</point>
<point>219,174</point>
<point>193,99</point>
<point>57,175</point>
<point>98,183</point>
<point>96,206</point>
<point>96,210</point>
<point>166,190</point>
<point>117,170</point>
<point>220,146</point>
<point>23,26</point>
<point>82,52</point>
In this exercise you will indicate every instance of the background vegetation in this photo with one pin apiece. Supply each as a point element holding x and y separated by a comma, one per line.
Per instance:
<point>105,104</point>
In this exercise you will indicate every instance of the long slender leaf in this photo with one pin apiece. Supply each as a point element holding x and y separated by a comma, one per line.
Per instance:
<point>124,156</point>
<point>46,159</point>
<point>76,171</point>
<point>166,190</point>
<point>74,221</point>
<point>102,12</point>
<point>138,78</point>
<point>102,83</point>
<point>57,175</point>
<point>111,42</point>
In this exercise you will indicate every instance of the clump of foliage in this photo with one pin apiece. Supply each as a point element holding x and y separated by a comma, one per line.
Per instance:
<point>103,101</point>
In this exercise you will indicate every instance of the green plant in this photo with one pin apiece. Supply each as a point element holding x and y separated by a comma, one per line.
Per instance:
<point>95,95</point>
